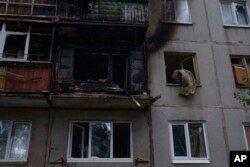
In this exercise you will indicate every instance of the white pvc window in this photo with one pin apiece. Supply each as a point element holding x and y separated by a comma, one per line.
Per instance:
<point>188,143</point>
<point>235,13</point>
<point>14,140</point>
<point>100,141</point>
<point>176,11</point>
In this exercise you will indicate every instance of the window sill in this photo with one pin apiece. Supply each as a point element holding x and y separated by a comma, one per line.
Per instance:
<point>76,160</point>
<point>196,161</point>
<point>236,26</point>
<point>178,23</point>
<point>13,161</point>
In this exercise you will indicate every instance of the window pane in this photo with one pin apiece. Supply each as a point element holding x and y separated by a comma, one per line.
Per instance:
<point>19,141</point>
<point>197,142</point>
<point>241,14</point>
<point>182,11</point>
<point>100,145</point>
<point>121,140</point>
<point>80,138</point>
<point>14,46</point>
<point>247,128</point>
<point>4,130</point>
<point>227,13</point>
<point>168,10</point>
<point>179,140</point>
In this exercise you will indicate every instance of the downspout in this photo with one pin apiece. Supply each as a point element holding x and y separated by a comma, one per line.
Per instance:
<point>50,125</point>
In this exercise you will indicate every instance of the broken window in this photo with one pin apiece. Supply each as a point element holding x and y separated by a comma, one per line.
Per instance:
<point>188,141</point>
<point>241,67</point>
<point>176,11</point>
<point>24,42</point>
<point>177,61</point>
<point>99,140</point>
<point>234,12</point>
<point>14,140</point>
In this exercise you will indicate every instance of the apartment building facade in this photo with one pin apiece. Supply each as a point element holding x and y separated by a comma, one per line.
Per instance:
<point>123,83</point>
<point>209,38</point>
<point>73,83</point>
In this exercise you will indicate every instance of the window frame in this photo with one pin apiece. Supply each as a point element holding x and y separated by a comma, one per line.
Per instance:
<point>233,4</point>
<point>3,37</point>
<point>188,159</point>
<point>89,159</point>
<point>190,22</point>
<point>8,144</point>
<point>244,125</point>
<point>186,57</point>
<point>244,64</point>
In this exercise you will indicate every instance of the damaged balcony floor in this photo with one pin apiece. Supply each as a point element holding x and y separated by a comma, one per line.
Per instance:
<point>100,101</point>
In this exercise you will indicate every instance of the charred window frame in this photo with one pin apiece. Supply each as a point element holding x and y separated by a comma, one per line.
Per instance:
<point>100,142</point>
<point>241,70</point>
<point>22,42</point>
<point>189,142</point>
<point>176,11</point>
<point>235,12</point>
<point>176,61</point>
<point>14,140</point>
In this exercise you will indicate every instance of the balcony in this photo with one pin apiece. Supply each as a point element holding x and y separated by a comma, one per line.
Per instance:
<point>100,11</point>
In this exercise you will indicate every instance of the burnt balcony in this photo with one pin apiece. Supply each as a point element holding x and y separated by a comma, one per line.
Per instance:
<point>100,11</point>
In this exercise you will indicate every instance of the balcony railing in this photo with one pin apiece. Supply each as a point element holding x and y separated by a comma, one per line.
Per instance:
<point>121,11</point>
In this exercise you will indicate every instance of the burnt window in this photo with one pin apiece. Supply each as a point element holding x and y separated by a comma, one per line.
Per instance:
<point>178,61</point>
<point>240,67</point>
<point>104,67</point>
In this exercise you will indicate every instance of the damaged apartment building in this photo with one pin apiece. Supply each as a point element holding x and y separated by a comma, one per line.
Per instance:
<point>73,83</point>
<point>128,83</point>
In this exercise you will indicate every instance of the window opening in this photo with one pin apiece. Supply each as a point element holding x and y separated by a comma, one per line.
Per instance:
<point>234,13</point>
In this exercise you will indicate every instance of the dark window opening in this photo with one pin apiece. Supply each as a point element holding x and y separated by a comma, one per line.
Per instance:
<point>17,27</point>
<point>121,137</point>
<point>177,62</point>
<point>102,67</point>
<point>90,67</point>
<point>80,140</point>
<point>39,48</point>
<point>14,46</point>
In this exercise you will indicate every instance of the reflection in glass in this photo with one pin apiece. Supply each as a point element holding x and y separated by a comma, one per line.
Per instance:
<point>100,145</point>
<point>182,11</point>
<point>197,141</point>
<point>19,140</point>
<point>180,148</point>
<point>4,130</point>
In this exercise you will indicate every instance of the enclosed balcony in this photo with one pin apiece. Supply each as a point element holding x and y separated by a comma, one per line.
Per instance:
<point>115,11</point>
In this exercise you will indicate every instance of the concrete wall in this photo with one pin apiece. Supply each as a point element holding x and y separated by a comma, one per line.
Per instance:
<point>39,134</point>
<point>214,102</point>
